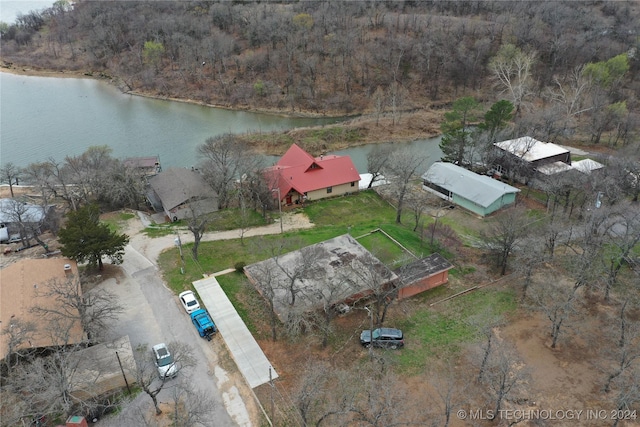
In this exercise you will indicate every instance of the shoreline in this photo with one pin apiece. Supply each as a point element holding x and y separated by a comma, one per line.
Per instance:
<point>416,124</point>
<point>117,82</point>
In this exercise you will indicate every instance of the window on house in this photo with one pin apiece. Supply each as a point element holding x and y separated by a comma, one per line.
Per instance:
<point>353,184</point>
<point>329,190</point>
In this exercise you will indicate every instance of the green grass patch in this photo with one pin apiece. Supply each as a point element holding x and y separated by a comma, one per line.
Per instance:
<point>227,219</point>
<point>362,211</point>
<point>116,222</point>
<point>235,285</point>
<point>231,219</point>
<point>537,195</point>
<point>460,228</point>
<point>161,230</point>
<point>357,214</point>
<point>461,271</point>
<point>442,330</point>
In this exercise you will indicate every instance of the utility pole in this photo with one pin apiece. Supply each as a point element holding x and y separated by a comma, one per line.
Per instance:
<point>371,332</point>
<point>178,243</point>
<point>271,384</point>
<point>279,207</point>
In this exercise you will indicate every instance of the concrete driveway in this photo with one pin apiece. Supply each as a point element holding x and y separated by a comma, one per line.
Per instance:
<point>152,314</point>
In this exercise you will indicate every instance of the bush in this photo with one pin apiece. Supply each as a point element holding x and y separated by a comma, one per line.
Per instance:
<point>239,266</point>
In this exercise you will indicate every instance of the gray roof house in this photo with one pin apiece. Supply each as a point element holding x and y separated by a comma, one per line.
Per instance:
<point>15,211</point>
<point>479,194</point>
<point>177,191</point>
<point>338,270</point>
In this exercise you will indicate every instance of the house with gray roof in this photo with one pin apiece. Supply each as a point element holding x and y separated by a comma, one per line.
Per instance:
<point>479,194</point>
<point>332,272</point>
<point>20,220</point>
<point>179,191</point>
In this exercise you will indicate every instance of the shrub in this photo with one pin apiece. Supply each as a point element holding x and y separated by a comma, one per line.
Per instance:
<point>239,266</point>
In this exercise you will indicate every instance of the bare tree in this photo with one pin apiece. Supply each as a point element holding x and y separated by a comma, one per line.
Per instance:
<point>147,376</point>
<point>528,263</point>
<point>504,375</point>
<point>622,237</point>
<point>191,406</point>
<point>95,310</point>
<point>378,101</point>
<point>447,386</point>
<point>88,172</point>
<point>485,323</point>
<point>11,174</point>
<point>503,234</point>
<point>308,393</point>
<point>625,349</point>
<point>403,167</point>
<point>418,201</point>
<point>369,271</point>
<point>571,94</point>
<point>377,160</point>
<point>268,284</point>
<point>124,186</point>
<point>225,160</point>
<point>29,219</point>
<point>58,182</point>
<point>197,224</point>
<point>18,334</point>
<point>330,295</point>
<point>383,401</point>
<point>628,395</point>
<point>512,68</point>
<point>556,301</point>
<point>303,266</point>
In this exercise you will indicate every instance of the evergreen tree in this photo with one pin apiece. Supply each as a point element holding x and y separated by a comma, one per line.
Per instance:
<point>497,118</point>
<point>86,239</point>
<point>456,133</point>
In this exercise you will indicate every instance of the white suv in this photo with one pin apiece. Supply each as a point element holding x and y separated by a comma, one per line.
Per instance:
<point>164,361</point>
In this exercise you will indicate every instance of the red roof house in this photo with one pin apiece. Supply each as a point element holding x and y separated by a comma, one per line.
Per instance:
<point>298,176</point>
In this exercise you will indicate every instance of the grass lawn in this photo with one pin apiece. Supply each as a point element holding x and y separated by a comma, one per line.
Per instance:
<point>431,331</point>
<point>115,222</point>
<point>228,219</point>
<point>440,331</point>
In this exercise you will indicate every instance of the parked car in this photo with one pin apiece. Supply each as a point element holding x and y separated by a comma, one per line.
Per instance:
<point>164,361</point>
<point>382,337</point>
<point>189,301</point>
<point>203,323</point>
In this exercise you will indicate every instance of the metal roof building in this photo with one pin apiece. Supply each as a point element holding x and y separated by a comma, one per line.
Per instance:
<point>535,152</point>
<point>479,194</point>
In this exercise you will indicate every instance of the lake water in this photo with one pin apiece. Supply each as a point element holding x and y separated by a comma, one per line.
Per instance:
<point>46,117</point>
<point>9,9</point>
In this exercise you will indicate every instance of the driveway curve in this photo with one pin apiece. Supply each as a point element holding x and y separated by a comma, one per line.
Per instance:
<point>152,315</point>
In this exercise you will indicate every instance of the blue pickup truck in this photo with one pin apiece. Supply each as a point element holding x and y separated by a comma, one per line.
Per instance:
<point>203,323</point>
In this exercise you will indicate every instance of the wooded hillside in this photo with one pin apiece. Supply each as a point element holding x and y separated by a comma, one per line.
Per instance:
<point>333,57</point>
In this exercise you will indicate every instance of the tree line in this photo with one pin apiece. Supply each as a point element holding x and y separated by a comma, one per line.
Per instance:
<point>327,56</point>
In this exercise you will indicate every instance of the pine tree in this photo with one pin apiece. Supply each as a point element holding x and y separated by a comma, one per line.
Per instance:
<point>86,239</point>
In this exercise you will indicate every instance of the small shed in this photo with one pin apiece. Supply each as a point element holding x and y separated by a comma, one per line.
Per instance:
<point>422,275</point>
<point>479,194</point>
<point>587,166</point>
<point>146,166</point>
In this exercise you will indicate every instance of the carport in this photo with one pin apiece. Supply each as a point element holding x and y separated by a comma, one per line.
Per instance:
<point>244,349</point>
